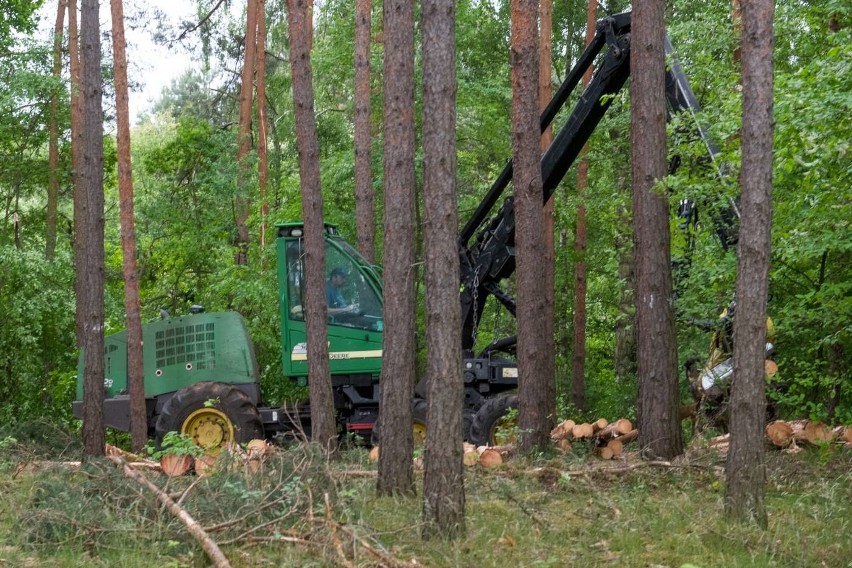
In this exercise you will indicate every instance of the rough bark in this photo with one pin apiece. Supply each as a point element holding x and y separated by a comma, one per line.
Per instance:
<point>443,480</point>
<point>135,374</point>
<point>581,238</point>
<point>536,389</point>
<point>53,136</point>
<point>365,214</point>
<point>319,375</point>
<point>545,93</point>
<point>77,126</point>
<point>746,471</point>
<point>395,470</point>
<point>659,428</point>
<point>241,203</point>
<point>262,154</point>
<point>90,225</point>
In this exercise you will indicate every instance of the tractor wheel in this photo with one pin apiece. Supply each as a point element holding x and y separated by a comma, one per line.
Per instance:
<point>418,419</point>
<point>467,423</point>
<point>211,415</point>
<point>495,423</point>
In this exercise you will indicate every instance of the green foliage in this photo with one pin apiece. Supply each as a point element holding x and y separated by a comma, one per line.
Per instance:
<point>176,444</point>
<point>37,336</point>
<point>16,16</point>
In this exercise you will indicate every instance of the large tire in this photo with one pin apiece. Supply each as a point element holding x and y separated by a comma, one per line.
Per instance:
<point>232,416</point>
<point>418,419</point>
<point>490,426</point>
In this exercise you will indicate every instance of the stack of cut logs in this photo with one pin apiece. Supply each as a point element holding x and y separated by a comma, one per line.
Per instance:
<point>609,439</point>
<point>251,457</point>
<point>486,456</point>
<point>788,435</point>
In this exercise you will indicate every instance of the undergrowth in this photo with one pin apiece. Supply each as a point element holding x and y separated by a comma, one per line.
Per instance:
<point>302,509</point>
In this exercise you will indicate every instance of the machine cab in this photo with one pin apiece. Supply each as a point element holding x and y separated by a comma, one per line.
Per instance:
<point>353,292</point>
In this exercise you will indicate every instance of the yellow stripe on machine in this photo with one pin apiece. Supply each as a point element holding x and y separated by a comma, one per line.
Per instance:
<point>338,355</point>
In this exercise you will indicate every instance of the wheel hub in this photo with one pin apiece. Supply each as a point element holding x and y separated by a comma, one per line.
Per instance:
<point>419,434</point>
<point>209,428</point>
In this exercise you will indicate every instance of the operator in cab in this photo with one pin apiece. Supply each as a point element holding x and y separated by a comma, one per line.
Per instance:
<point>337,304</point>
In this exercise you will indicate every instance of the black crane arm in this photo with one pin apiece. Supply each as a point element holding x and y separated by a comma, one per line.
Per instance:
<point>490,258</point>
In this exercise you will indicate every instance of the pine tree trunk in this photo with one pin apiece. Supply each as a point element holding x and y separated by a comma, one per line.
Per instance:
<point>578,373</point>
<point>262,154</point>
<point>77,125</point>
<point>746,471</point>
<point>659,427</point>
<point>443,480</point>
<point>319,376</point>
<point>536,389</point>
<point>241,203</point>
<point>90,303</point>
<point>396,474</point>
<point>545,93</point>
<point>53,137</point>
<point>135,373</point>
<point>365,215</point>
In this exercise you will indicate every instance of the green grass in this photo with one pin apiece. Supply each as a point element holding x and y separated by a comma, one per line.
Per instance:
<point>522,514</point>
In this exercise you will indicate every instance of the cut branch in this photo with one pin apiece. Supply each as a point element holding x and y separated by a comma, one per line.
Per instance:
<point>207,544</point>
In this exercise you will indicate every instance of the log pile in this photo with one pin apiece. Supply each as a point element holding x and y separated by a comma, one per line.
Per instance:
<point>607,439</point>
<point>789,435</point>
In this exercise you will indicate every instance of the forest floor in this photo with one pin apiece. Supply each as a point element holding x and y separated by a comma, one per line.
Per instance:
<point>302,510</point>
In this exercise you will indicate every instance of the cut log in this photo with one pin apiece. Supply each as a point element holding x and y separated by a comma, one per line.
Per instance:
<point>617,447</point>
<point>722,440</point>
<point>174,465</point>
<point>470,458</point>
<point>584,430</point>
<point>205,465</point>
<point>562,430</point>
<point>374,454</point>
<point>798,427</point>
<point>111,450</point>
<point>259,449</point>
<point>618,428</point>
<point>490,458</point>
<point>605,453</point>
<point>599,425</point>
<point>629,437</point>
<point>563,445</point>
<point>843,434</point>
<point>779,433</point>
<point>770,368</point>
<point>816,433</point>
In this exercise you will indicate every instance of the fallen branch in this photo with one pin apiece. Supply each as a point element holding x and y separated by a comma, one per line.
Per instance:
<point>207,544</point>
<point>355,473</point>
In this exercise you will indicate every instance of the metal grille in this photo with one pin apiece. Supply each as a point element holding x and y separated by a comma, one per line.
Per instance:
<point>187,344</point>
<point>109,349</point>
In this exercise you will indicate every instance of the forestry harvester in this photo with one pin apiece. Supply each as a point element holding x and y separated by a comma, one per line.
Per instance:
<point>201,377</point>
